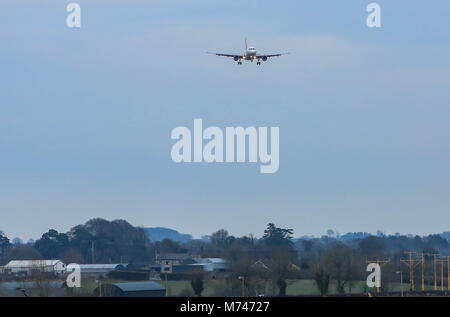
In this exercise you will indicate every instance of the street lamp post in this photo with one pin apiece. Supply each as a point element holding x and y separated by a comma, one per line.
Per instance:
<point>401,282</point>
<point>242,278</point>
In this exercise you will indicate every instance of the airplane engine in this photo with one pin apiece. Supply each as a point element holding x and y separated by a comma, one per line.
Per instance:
<point>264,58</point>
<point>236,58</point>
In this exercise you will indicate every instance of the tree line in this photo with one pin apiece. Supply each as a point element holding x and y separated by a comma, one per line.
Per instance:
<point>256,264</point>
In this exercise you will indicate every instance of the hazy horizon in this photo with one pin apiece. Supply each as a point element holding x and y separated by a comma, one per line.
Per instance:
<point>258,234</point>
<point>86,115</point>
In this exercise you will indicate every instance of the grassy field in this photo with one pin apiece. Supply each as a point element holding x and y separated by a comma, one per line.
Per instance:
<point>295,287</point>
<point>222,288</point>
<point>214,287</point>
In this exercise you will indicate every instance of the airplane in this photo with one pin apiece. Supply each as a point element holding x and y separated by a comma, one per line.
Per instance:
<point>250,54</point>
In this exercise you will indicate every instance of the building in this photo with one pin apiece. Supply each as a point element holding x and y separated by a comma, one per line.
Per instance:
<point>214,268</point>
<point>180,266</point>
<point>26,268</point>
<point>168,260</point>
<point>97,270</point>
<point>34,289</point>
<point>213,264</point>
<point>133,289</point>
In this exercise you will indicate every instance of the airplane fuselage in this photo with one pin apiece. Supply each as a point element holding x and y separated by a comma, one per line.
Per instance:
<point>250,54</point>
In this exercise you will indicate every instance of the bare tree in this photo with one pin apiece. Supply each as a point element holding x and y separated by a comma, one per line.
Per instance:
<point>341,262</point>
<point>322,278</point>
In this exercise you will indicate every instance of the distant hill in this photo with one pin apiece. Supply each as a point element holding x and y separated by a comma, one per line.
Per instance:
<point>159,234</point>
<point>446,235</point>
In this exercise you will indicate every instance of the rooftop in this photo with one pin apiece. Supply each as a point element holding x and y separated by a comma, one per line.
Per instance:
<point>176,256</point>
<point>31,263</point>
<point>101,266</point>
<point>139,286</point>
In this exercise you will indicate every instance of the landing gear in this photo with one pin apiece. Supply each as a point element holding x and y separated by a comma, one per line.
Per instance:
<point>258,63</point>
<point>239,63</point>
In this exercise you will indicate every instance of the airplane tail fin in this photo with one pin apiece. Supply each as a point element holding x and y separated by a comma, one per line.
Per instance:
<point>246,44</point>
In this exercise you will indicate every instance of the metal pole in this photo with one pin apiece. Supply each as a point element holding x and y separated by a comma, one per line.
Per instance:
<point>435,272</point>
<point>93,252</point>
<point>448,273</point>
<point>401,283</point>
<point>166,282</point>
<point>423,272</point>
<point>411,271</point>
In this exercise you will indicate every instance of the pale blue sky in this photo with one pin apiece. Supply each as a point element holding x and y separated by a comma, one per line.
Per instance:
<point>86,115</point>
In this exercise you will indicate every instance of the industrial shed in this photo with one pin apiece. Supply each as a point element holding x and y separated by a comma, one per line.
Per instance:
<point>34,289</point>
<point>133,289</point>
<point>213,264</point>
<point>29,267</point>
<point>97,270</point>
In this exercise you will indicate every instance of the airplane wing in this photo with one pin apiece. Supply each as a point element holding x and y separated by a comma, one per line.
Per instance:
<point>271,55</point>
<point>226,55</point>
